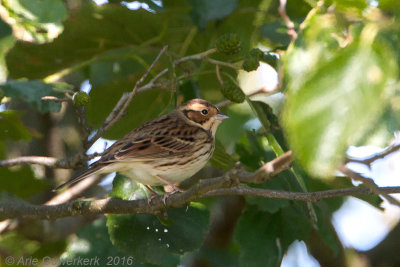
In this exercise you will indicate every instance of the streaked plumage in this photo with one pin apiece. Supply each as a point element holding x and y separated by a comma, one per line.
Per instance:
<point>165,150</point>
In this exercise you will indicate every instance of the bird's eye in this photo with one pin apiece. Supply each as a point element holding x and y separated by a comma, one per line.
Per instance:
<point>204,112</point>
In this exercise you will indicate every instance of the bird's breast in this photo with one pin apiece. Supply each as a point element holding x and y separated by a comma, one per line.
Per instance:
<point>174,169</point>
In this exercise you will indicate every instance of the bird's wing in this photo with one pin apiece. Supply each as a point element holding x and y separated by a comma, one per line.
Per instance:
<point>155,143</point>
<point>163,137</point>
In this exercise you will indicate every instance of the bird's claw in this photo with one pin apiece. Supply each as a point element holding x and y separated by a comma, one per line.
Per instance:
<point>176,189</point>
<point>150,198</point>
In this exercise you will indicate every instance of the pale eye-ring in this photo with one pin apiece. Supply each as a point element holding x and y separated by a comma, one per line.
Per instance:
<point>204,111</point>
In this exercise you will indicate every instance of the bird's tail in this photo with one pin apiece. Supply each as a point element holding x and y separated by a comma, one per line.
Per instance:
<point>81,176</point>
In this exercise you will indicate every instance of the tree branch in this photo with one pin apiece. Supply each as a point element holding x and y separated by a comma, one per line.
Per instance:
<point>119,206</point>
<point>368,183</point>
<point>224,185</point>
<point>111,205</point>
<point>289,24</point>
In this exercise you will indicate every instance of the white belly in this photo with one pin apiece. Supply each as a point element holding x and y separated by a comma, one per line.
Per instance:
<point>147,174</point>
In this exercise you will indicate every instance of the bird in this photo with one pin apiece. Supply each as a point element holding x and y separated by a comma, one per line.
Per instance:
<point>165,150</point>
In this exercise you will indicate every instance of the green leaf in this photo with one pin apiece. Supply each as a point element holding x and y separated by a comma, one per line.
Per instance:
<point>50,249</point>
<point>294,224</point>
<point>148,240</point>
<point>325,228</point>
<point>43,11</point>
<point>233,128</point>
<point>264,237</point>
<point>127,63</point>
<point>276,33</point>
<point>221,159</point>
<point>188,88</point>
<point>5,29</point>
<point>298,9</point>
<point>207,10</point>
<point>271,59</point>
<point>18,245</point>
<point>257,241</point>
<point>270,122</point>
<point>126,188</point>
<point>272,205</point>
<point>253,150</point>
<point>31,92</point>
<point>389,6</point>
<point>215,257</point>
<point>7,41</point>
<point>21,182</point>
<point>151,5</point>
<point>340,182</point>
<point>333,103</point>
<point>11,127</point>
<point>374,200</point>
<point>347,5</point>
<point>389,122</point>
<point>79,44</point>
<point>38,20</point>
<point>92,242</point>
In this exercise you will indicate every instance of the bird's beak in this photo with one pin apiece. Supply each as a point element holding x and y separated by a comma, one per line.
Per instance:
<point>221,116</point>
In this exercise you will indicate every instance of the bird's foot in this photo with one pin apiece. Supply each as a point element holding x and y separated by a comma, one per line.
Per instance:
<point>171,189</point>
<point>153,194</point>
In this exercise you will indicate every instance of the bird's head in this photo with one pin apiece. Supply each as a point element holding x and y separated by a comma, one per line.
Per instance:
<point>203,114</point>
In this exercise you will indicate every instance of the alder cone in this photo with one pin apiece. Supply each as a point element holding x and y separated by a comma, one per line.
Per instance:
<point>232,92</point>
<point>229,44</point>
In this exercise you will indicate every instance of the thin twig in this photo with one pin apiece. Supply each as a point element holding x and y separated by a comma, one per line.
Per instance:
<point>66,163</point>
<point>222,63</point>
<point>303,196</point>
<point>368,183</point>
<point>289,24</point>
<point>217,72</point>
<point>69,194</point>
<point>368,161</point>
<point>120,108</point>
<point>45,161</point>
<point>262,90</point>
<point>55,99</point>
<point>224,103</point>
<point>135,89</point>
<point>85,131</point>
<point>124,101</point>
<point>75,190</point>
<point>275,166</point>
<point>199,56</point>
